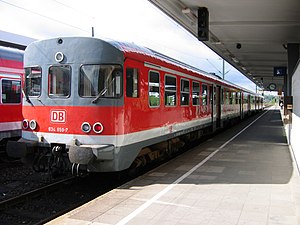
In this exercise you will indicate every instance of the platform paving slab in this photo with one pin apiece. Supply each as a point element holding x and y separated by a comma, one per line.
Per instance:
<point>251,180</point>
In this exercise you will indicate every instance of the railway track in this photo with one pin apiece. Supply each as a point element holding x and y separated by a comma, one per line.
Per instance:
<point>22,209</point>
<point>46,203</point>
<point>50,201</point>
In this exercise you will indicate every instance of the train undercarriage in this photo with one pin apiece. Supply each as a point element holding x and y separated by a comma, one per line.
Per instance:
<point>55,160</point>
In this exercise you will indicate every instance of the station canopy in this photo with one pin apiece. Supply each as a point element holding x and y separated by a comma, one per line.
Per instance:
<point>253,35</point>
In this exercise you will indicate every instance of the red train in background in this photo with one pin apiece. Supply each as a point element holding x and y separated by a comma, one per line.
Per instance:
<point>107,106</point>
<point>11,75</point>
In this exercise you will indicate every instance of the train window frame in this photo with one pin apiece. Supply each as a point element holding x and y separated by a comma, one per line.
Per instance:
<point>170,92</point>
<point>184,94</point>
<point>20,91</point>
<point>39,85</point>
<point>195,96</point>
<point>150,90</point>
<point>204,95</point>
<point>132,82</point>
<point>116,88</point>
<point>65,88</point>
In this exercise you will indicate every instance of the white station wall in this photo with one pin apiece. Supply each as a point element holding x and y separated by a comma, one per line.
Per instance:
<point>295,127</point>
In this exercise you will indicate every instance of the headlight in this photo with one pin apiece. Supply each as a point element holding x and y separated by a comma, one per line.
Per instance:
<point>86,127</point>
<point>32,124</point>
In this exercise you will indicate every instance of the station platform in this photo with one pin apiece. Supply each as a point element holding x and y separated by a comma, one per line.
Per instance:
<point>245,175</point>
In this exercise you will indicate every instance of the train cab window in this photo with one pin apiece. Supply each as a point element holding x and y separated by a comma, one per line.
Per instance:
<point>184,92</point>
<point>11,91</point>
<point>204,94</point>
<point>170,90</point>
<point>196,93</point>
<point>132,78</point>
<point>59,81</point>
<point>154,88</point>
<point>100,81</point>
<point>33,78</point>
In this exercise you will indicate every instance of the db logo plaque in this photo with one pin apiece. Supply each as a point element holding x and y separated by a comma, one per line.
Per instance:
<point>58,116</point>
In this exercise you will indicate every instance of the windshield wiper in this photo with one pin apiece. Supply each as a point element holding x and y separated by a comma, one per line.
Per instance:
<point>104,90</point>
<point>26,97</point>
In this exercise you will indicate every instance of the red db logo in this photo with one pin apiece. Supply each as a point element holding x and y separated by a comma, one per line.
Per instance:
<point>58,116</point>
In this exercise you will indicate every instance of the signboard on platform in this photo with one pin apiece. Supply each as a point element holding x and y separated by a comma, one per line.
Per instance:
<point>280,71</point>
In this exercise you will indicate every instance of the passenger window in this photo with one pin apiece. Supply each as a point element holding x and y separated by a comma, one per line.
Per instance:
<point>238,96</point>
<point>132,78</point>
<point>196,93</point>
<point>59,80</point>
<point>227,97</point>
<point>210,95</point>
<point>33,81</point>
<point>154,88</point>
<point>185,92</point>
<point>232,98</point>
<point>11,91</point>
<point>215,100</point>
<point>170,90</point>
<point>204,94</point>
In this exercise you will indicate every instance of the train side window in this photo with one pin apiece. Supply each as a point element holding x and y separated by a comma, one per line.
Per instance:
<point>11,91</point>
<point>33,81</point>
<point>210,95</point>
<point>154,88</point>
<point>59,81</point>
<point>232,98</point>
<point>170,90</point>
<point>204,94</point>
<point>196,93</point>
<point>227,97</point>
<point>132,85</point>
<point>215,95</point>
<point>184,92</point>
<point>237,100</point>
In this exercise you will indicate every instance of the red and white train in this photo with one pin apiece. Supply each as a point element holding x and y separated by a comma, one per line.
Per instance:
<point>11,74</point>
<point>107,106</point>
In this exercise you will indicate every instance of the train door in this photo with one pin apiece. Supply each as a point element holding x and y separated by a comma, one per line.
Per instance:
<point>249,104</point>
<point>133,94</point>
<point>218,106</point>
<point>240,101</point>
<point>212,106</point>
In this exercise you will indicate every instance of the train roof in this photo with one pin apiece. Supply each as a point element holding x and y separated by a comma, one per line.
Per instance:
<point>128,47</point>
<point>11,54</point>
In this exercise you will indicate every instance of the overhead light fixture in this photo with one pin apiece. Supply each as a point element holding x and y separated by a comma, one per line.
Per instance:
<point>186,10</point>
<point>235,60</point>
<point>189,15</point>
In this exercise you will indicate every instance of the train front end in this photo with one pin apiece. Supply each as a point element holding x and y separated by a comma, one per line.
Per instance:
<point>72,106</point>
